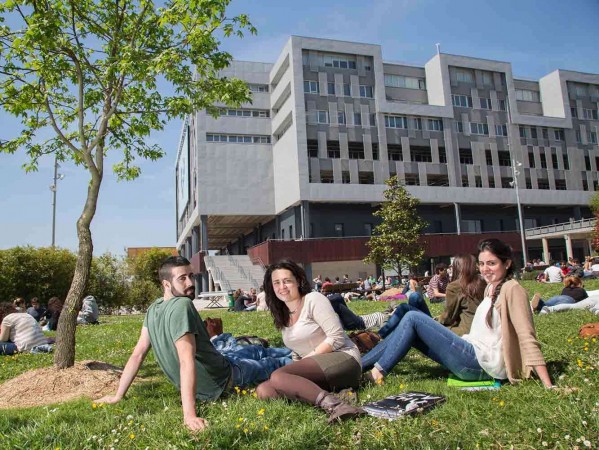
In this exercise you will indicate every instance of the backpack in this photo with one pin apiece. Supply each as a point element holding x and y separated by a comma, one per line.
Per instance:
<point>213,326</point>
<point>365,340</point>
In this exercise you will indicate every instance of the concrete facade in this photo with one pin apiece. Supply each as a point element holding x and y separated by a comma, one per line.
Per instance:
<point>330,121</point>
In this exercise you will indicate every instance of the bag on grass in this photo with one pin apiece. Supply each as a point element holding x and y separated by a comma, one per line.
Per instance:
<point>364,340</point>
<point>589,330</point>
<point>252,340</point>
<point>213,326</point>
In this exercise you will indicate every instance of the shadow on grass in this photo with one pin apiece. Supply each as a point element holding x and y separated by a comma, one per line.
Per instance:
<point>557,368</point>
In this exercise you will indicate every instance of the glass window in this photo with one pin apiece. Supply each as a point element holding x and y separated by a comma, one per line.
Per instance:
<point>365,91</point>
<point>311,87</point>
<point>396,122</point>
<point>357,119</point>
<point>331,88</point>
<point>346,90</point>
<point>533,132</point>
<point>322,116</point>
<point>461,101</point>
<point>435,125</point>
<point>418,123</point>
<point>341,118</point>
<point>459,127</point>
<point>485,103</point>
<point>526,95</point>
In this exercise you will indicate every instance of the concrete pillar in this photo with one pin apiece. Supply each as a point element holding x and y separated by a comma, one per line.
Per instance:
<point>569,253</point>
<point>546,255</point>
<point>203,241</point>
<point>458,217</point>
<point>305,216</point>
<point>590,246</point>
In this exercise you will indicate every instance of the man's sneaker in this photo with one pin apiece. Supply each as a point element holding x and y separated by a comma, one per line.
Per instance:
<point>534,303</point>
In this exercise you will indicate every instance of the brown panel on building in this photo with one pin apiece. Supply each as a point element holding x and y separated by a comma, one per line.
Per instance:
<point>197,262</point>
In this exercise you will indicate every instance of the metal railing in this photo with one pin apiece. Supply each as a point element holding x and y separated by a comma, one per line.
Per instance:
<point>561,227</point>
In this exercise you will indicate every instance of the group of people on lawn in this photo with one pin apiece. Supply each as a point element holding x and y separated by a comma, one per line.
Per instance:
<point>485,332</point>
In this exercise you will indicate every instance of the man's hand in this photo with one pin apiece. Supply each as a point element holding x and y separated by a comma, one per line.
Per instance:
<point>109,399</point>
<point>195,424</point>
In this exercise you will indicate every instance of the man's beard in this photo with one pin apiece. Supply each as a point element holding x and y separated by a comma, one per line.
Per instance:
<point>190,292</point>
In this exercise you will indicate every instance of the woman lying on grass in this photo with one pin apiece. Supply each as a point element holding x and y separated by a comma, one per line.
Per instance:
<point>463,295</point>
<point>328,359</point>
<point>501,343</point>
<point>573,292</point>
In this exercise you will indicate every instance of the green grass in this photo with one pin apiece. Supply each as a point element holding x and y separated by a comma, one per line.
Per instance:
<point>523,416</point>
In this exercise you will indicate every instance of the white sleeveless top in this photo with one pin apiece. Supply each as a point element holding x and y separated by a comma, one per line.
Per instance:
<point>487,342</point>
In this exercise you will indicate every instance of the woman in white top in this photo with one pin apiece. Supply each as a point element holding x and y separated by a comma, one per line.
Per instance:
<point>326,359</point>
<point>19,331</point>
<point>501,343</point>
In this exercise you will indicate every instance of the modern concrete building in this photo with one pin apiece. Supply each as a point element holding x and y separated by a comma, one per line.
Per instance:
<point>305,163</point>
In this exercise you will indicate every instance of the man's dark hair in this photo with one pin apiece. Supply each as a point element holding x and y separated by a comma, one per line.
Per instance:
<point>440,267</point>
<point>164,271</point>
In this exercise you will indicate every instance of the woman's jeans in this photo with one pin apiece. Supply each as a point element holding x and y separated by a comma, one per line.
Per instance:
<point>416,302</point>
<point>556,300</point>
<point>8,348</point>
<point>432,339</point>
<point>349,320</point>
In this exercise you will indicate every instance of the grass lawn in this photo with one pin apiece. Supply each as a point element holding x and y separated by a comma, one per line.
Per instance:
<point>523,416</point>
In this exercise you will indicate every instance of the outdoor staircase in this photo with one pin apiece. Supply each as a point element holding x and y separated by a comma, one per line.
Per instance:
<point>231,272</point>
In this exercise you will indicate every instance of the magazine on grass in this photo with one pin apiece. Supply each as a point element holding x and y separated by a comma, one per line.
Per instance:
<point>395,406</point>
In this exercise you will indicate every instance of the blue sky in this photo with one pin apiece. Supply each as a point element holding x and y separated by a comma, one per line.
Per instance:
<point>537,37</point>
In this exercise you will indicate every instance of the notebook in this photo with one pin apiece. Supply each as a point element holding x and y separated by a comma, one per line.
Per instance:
<point>395,406</point>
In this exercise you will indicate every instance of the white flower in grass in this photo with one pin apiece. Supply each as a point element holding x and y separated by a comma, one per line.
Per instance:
<point>587,444</point>
<point>567,437</point>
<point>129,417</point>
<point>539,430</point>
<point>544,444</point>
<point>584,422</point>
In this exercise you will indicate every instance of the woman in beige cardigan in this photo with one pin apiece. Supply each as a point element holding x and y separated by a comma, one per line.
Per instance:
<point>501,344</point>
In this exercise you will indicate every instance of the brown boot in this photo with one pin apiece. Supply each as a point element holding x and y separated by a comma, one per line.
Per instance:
<point>336,408</point>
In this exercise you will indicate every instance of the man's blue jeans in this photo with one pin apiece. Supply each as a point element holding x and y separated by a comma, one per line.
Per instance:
<point>555,300</point>
<point>248,371</point>
<point>431,338</point>
<point>416,302</point>
<point>8,348</point>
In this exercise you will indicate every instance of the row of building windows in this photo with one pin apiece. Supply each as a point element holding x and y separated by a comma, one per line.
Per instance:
<point>543,159</point>
<point>322,117</point>
<point>591,137</point>
<point>313,87</point>
<point>531,133</point>
<point>400,81</point>
<point>245,112</point>
<point>527,95</point>
<point>417,123</point>
<point>587,114</point>
<point>465,101</point>
<point>238,138</point>
<point>253,87</point>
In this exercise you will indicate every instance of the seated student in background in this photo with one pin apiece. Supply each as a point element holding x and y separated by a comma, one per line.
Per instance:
<point>553,273</point>
<point>36,310</point>
<point>89,313</point>
<point>53,313</point>
<point>463,295</point>
<point>19,332</point>
<point>328,359</point>
<point>182,347</point>
<point>19,304</point>
<point>501,343</point>
<point>572,292</point>
<point>438,284</point>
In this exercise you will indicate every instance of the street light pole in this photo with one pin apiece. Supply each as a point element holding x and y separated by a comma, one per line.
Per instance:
<point>516,172</point>
<point>53,188</point>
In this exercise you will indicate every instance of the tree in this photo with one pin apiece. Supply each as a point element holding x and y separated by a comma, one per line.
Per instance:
<point>108,281</point>
<point>86,72</point>
<point>145,265</point>
<point>396,241</point>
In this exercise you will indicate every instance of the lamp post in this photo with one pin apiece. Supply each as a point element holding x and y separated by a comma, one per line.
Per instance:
<point>54,188</point>
<point>514,183</point>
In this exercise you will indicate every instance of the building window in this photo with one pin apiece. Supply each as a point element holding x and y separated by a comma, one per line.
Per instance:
<point>375,151</point>
<point>435,124</point>
<point>412,179</point>
<point>458,127</point>
<point>587,162</point>
<point>466,156</point>
<point>238,139</point>
<point>356,150</point>
<point>373,120</point>
<point>396,122</point>
<point>394,152</point>
<point>500,130</point>
<point>574,112</point>
<point>487,78</point>
<point>479,128</point>
<point>585,183</point>
<point>346,89</point>
<point>365,91</point>
<point>417,123</point>
<point>471,226</point>
<point>545,132</point>
<point>533,132</point>
<point>258,87</point>
<point>478,181</point>
<point>312,148</point>
<point>523,132</point>
<point>442,155</point>
<point>504,158</point>
<point>357,119</point>
<point>566,161</point>
<point>464,76</point>
<point>543,160</point>
<point>507,182</point>
<point>322,116</point>
<point>560,185</point>
<point>578,137</point>
<point>492,182</point>
<point>340,62</point>
<point>263,113</point>
<point>311,87</point>
<point>365,178</point>
<point>333,150</point>
<point>339,230</point>
<point>345,178</point>
<point>528,183</point>
<point>489,157</point>
<point>400,81</point>
<point>461,101</point>
<point>558,134</point>
<point>367,229</point>
<point>331,88</point>
<point>554,160</point>
<point>581,91</point>
<point>502,105</point>
<point>326,177</point>
<point>290,231</point>
<point>437,180</point>
<point>283,233</point>
<point>592,137</point>
<point>531,159</point>
<point>589,114</point>
<point>543,183</point>
<point>421,154</point>
<point>341,118</point>
<point>526,95</point>
<point>485,103</point>
<point>465,182</point>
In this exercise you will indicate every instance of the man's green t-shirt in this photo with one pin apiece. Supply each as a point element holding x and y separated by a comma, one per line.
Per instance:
<point>169,320</point>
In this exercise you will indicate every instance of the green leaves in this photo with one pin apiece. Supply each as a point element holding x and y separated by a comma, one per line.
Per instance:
<point>396,241</point>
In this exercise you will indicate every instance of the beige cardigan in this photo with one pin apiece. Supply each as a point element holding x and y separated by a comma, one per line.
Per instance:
<point>521,350</point>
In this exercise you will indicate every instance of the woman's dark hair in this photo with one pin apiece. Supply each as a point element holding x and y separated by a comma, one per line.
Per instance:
<point>278,309</point>
<point>54,305</point>
<point>572,281</point>
<point>504,252</point>
<point>465,270</point>
<point>6,308</point>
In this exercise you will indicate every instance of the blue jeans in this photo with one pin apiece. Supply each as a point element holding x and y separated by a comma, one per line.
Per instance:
<point>416,302</point>
<point>248,371</point>
<point>349,320</point>
<point>226,343</point>
<point>432,339</point>
<point>556,300</point>
<point>8,348</point>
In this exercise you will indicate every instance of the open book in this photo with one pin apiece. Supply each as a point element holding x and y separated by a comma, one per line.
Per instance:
<point>395,406</point>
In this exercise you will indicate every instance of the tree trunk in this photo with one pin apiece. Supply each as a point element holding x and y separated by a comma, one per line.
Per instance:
<point>64,355</point>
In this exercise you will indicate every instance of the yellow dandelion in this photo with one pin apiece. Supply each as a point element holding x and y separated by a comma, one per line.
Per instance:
<point>240,419</point>
<point>237,426</point>
<point>131,436</point>
<point>401,386</point>
<point>245,430</point>
<point>94,405</point>
<point>237,389</point>
<point>244,392</point>
<point>501,403</point>
<point>265,427</point>
<point>130,422</point>
<point>261,412</point>
<point>254,395</point>
<point>379,381</point>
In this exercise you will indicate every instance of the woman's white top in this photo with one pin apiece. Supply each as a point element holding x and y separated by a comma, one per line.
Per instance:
<point>487,342</point>
<point>318,323</point>
<point>25,332</point>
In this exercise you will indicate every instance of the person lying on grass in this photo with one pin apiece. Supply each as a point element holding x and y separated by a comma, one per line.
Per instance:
<point>176,332</point>
<point>501,343</point>
<point>326,358</point>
